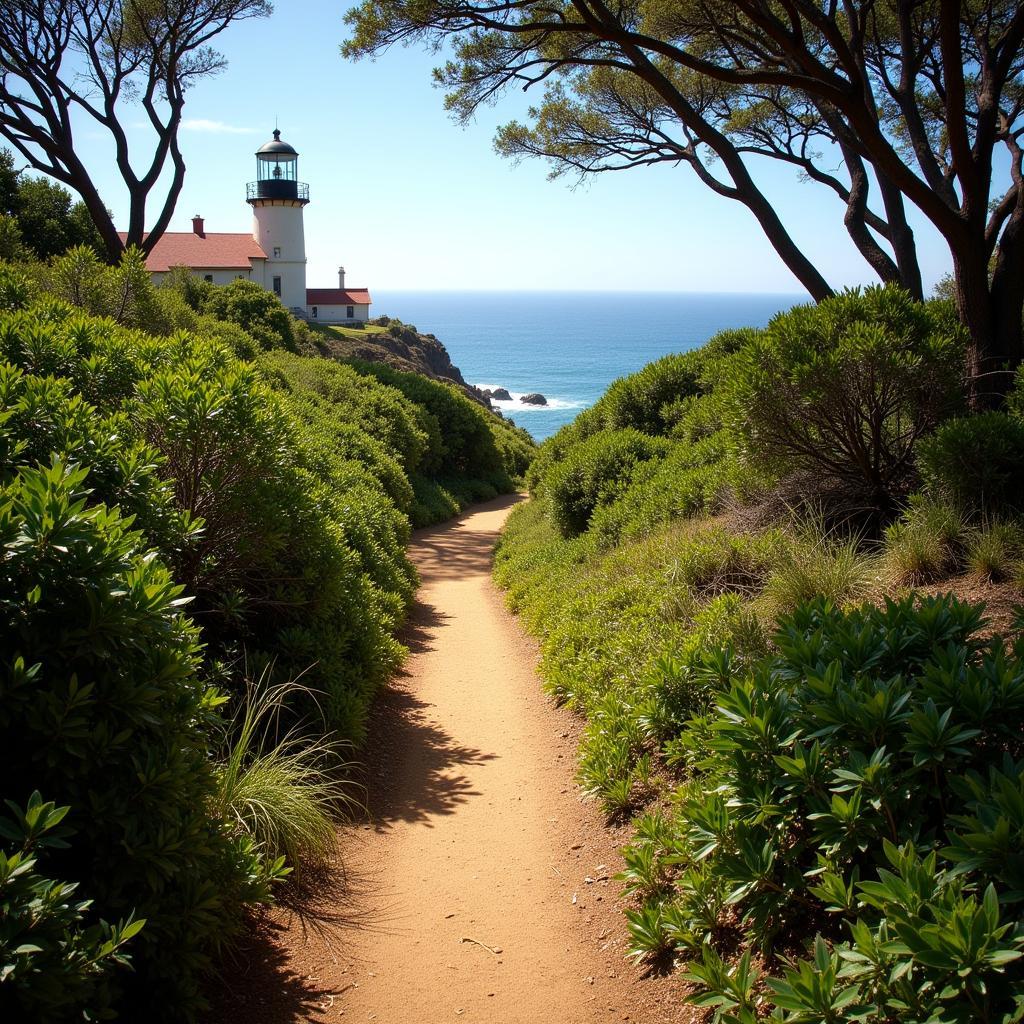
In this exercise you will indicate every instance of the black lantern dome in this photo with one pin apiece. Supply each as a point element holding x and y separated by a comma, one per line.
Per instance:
<point>277,173</point>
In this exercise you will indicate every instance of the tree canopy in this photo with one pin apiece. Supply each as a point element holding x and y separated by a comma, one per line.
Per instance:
<point>40,215</point>
<point>922,99</point>
<point>65,61</point>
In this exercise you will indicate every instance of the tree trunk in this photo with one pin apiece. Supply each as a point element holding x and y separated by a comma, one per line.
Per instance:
<point>1008,302</point>
<point>901,238</point>
<point>992,315</point>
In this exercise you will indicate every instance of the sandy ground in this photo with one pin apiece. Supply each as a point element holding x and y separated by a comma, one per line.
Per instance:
<point>480,887</point>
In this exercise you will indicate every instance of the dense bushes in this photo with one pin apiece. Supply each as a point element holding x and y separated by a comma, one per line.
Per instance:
<point>833,804</point>
<point>976,462</point>
<point>594,472</point>
<point>468,454</point>
<point>258,312</point>
<point>864,783</point>
<point>52,961</point>
<point>844,390</point>
<point>101,710</point>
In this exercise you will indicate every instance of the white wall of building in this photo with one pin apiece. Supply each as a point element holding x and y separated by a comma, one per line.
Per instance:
<point>218,275</point>
<point>278,227</point>
<point>339,314</point>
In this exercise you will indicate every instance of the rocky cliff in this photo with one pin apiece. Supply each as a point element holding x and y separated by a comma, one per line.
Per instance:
<point>387,340</point>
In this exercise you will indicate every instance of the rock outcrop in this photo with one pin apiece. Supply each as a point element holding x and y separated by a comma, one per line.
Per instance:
<point>399,345</point>
<point>533,399</point>
<point>500,395</point>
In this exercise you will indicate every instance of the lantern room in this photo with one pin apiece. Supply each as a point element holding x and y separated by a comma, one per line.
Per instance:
<point>277,173</point>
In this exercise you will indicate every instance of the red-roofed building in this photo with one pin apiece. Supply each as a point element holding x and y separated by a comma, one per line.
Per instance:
<point>338,305</point>
<point>273,254</point>
<point>217,256</point>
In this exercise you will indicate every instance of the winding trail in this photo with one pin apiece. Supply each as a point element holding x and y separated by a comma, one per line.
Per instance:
<point>480,890</point>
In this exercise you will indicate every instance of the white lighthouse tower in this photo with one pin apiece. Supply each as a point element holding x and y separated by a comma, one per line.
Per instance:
<point>277,198</point>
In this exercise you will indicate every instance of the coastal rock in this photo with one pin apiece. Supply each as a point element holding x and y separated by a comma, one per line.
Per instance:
<point>534,399</point>
<point>501,395</point>
<point>389,341</point>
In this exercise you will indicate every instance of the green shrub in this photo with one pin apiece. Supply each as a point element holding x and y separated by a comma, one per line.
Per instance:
<point>594,472</point>
<point>344,396</point>
<point>654,399</point>
<point>462,436</point>
<point>843,391</point>
<point>432,502</point>
<point>258,312</point>
<point>865,783</point>
<point>123,293</point>
<point>692,479</point>
<point>15,289</point>
<point>52,963</point>
<point>977,462</point>
<point>301,545</point>
<point>641,400</point>
<point>101,707</point>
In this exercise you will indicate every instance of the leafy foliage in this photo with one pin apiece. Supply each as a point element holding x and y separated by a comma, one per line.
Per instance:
<point>51,962</point>
<point>47,219</point>
<point>594,472</point>
<point>101,706</point>
<point>258,312</point>
<point>832,798</point>
<point>843,391</point>
<point>975,462</point>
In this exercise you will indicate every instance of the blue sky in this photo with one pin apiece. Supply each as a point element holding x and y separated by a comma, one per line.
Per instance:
<point>406,199</point>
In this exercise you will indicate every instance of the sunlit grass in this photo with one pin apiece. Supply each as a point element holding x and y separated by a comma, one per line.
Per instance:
<point>286,790</point>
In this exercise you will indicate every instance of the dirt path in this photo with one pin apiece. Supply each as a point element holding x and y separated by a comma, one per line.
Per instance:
<point>477,833</point>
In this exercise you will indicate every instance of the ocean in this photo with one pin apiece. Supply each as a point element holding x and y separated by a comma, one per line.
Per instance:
<point>569,346</point>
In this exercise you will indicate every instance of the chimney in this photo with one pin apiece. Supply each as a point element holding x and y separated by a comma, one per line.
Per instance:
<point>197,226</point>
<point>341,278</point>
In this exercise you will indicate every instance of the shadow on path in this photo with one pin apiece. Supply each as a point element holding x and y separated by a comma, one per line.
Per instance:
<point>257,983</point>
<point>412,774</point>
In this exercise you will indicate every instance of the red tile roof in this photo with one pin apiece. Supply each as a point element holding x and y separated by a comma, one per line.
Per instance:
<point>216,250</point>
<point>337,297</point>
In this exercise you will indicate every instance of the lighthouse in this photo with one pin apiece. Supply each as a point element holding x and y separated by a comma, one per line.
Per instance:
<point>273,254</point>
<point>277,198</point>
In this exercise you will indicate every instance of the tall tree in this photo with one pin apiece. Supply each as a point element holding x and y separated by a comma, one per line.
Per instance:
<point>66,60</point>
<point>919,96</point>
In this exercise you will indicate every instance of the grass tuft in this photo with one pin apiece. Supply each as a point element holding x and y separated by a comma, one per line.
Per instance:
<point>926,544</point>
<point>283,790</point>
<point>819,565</point>
<point>994,552</point>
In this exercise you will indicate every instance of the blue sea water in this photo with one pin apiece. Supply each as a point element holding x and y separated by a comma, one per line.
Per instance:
<point>569,346</point>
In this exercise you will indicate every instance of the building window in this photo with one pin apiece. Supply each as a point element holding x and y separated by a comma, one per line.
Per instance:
<point>351,312</point>
<point>277,287</point>
<point>208,278</point>
<point>314,312</point>
<point>277,252</point>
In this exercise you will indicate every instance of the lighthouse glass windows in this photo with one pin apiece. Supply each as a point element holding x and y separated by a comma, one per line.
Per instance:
<point>277,167</point>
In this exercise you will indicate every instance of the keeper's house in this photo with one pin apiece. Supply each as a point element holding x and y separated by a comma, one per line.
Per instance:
<point>274,254</point>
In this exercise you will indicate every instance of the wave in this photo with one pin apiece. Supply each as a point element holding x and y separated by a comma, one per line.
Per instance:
<point>554,404</point>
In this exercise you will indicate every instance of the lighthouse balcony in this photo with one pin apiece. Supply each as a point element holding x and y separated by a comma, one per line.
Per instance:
<point>277,189</point>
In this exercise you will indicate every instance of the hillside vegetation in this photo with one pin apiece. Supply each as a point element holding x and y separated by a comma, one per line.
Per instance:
<point>825,770</point>
<point>193,514</point>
